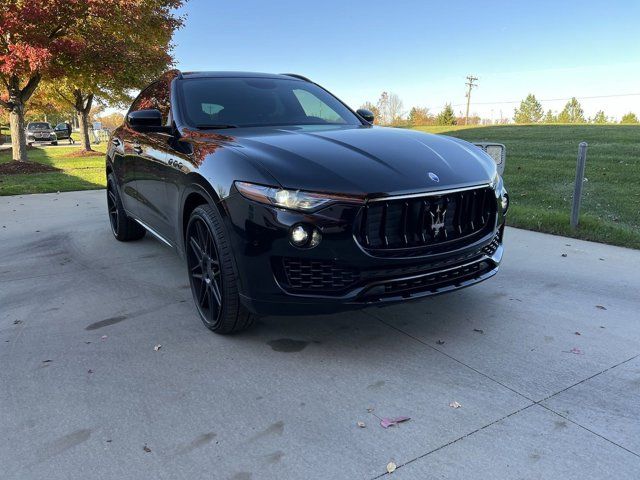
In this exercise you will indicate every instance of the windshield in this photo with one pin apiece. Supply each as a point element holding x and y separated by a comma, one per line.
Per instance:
<point>39,126</point>
<point>248,102</point>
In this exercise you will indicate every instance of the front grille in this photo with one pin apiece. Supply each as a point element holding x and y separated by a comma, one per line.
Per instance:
<point>319,276</point>
<point>431,223</point>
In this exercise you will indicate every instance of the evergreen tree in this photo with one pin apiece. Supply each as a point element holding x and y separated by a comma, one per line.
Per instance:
<point>530,110</point>
<point>550,117</point>
<point>600,118</point>
<point>629,118</point>
<point>446,116</point>
<point>572,112</point>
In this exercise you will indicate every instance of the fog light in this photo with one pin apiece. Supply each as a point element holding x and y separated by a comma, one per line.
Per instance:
<point>315,238</point>
<point>299,236</point>
<point>304,236</point>
<point>505,203</point>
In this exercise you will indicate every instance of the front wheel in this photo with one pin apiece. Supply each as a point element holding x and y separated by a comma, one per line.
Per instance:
<point>212,275</point>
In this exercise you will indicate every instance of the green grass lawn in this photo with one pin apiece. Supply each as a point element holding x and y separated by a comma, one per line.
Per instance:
<point>540,173</point>
<point>77,173</point>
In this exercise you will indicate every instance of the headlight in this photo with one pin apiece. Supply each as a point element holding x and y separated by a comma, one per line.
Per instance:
<point>291,199</point>
<point>496,182</point>
<point>505,202</point>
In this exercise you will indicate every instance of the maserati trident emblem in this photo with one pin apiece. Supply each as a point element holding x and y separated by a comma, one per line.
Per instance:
<point>437,221</point>
<point>434,177</point>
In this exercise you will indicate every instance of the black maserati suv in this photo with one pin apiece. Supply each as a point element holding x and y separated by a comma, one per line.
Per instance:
<point>283,200</point>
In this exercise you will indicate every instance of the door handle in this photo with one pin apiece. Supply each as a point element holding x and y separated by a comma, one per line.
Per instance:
<point>137,149</point>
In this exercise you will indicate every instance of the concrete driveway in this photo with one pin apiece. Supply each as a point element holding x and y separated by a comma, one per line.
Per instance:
<point>543,359</point>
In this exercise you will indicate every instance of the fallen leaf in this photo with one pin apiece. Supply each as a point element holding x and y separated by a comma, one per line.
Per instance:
<point>388,422</point>
<point>564,254</point>
<point>46,361</point>
<point>391,467</point>
<point>575,351</point>
<point>479,330</point>
<point>455,405</point>
<point>370,409</point>
<point>577,333</point>
<point>157,347</point>
<point>601,307</point>
<point>146,449</point>
<point>89,371</point>
<point>440,342</point>
<point>361,424</point>
<point>601,259</point>
<point>104,337</point>
<point>17,322</point>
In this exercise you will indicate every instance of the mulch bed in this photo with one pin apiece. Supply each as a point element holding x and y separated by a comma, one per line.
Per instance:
<point>85,153</point>
<point>16,168</point>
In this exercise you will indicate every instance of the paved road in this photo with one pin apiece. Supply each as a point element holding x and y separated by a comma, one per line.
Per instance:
<point>84,395</point>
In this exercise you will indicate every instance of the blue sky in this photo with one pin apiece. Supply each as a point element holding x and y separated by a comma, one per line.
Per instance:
<point>423,50</point>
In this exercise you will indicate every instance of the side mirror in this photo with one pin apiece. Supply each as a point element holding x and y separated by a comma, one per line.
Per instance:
<point>146,120</point>
<point>366,114</point>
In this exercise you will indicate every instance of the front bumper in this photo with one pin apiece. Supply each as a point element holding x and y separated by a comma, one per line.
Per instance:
<point>31,138</point>
<point>277,278</point>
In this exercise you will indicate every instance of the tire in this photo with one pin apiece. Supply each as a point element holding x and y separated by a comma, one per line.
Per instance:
<point>123,228</point>
<point>212,273</point>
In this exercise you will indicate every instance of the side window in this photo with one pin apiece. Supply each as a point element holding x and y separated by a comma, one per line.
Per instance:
<point>314,107</point>
<point>157,95</point>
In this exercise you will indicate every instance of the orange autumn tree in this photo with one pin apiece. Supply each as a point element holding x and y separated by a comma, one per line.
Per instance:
<point>131,56</point>
<point>60,39</point>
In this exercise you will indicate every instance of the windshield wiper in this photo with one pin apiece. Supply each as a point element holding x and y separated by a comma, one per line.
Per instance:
<point>215,126</point>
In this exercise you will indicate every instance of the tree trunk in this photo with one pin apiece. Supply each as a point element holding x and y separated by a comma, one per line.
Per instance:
<point>83,120</point>
<point>18,137</point>
<point>15,104</point>
<point>83,108</point>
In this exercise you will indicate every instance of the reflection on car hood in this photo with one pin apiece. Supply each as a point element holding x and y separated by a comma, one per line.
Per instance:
<point>364,160</point>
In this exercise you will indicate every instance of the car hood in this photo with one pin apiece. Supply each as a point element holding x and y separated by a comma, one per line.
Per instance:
<point>364,160</point>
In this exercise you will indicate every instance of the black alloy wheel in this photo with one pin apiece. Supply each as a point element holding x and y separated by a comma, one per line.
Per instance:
<point>212,273</point>
<point>204,270</point>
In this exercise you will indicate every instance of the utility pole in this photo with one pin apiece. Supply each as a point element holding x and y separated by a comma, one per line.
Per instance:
<point>470,85</point>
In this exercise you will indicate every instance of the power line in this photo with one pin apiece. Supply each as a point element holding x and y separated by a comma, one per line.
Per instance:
<point>549,99</point>
<point>470,85</point>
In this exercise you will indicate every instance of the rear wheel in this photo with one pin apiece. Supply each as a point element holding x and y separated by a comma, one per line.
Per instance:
<point>123,227</point>
<point>212,274</point>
